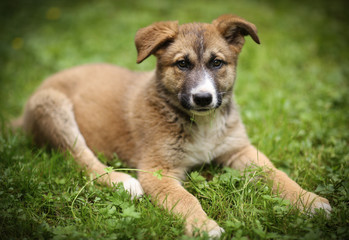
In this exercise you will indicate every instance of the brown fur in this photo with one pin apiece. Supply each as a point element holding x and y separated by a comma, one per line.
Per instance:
<point>109,109</point>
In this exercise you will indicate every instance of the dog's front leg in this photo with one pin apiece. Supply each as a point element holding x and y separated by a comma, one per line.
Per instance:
<point>169,193</point>
<point>250,157</point>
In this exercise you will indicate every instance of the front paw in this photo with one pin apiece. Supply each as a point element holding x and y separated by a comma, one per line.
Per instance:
<point>216,232</point>
<point>312,202</point>
<point>130,184</point>
<point>133,186</point>
<point>213,230</point>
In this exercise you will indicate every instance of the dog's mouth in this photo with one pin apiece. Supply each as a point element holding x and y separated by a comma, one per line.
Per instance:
<point>202,111</point>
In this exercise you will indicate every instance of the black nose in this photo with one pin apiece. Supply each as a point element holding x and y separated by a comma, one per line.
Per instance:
<point>202,99</point>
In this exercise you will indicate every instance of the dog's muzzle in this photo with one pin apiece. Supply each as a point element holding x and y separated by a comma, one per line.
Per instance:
<point>200,102</point>
<point>200,95</point>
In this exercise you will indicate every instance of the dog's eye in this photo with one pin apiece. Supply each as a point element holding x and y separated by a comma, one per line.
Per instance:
<point>217,63</point>
<point>183,65</point>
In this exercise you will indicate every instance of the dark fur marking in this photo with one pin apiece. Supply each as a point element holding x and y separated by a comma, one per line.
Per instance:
<point>200,44</point>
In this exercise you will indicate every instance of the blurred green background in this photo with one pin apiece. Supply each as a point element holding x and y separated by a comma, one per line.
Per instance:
<point>41,37</point>
<point>292,91</point>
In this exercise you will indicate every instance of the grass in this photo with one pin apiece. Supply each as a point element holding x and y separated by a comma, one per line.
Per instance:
<point>293,96</point>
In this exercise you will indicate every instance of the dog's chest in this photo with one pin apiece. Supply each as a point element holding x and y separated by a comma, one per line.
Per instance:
<point>209,140</point>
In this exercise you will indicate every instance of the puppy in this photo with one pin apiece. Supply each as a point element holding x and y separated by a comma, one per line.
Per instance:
<point>171,119</point>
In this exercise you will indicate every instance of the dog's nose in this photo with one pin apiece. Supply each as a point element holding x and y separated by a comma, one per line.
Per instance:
<point>202,99</point>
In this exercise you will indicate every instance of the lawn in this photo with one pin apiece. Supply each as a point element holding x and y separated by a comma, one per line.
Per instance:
<point>293,96</point>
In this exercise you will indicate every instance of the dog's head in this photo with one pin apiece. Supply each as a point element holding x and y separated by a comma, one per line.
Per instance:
<point>196,62</point>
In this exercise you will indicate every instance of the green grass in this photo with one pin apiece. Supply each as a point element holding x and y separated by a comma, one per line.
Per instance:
<point>293,96</point>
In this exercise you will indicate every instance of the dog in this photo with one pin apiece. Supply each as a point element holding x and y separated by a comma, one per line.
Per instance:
<point>171,119</point>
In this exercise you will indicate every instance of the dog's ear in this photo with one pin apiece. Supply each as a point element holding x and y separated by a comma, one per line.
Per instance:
<point>149,39</point>
<point>234,28</point>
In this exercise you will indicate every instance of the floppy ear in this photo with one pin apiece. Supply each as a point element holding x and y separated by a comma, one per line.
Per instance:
<point>234,28</point>
<point>149,39</point>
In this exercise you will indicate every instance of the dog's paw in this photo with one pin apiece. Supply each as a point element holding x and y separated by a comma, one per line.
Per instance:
<point>133,186</point>
<point>320,203</point>
<point>213,230</point>
<point>216,232</point>
<point>208,227</point>
<point>130,184</point>
<point>314,203</point>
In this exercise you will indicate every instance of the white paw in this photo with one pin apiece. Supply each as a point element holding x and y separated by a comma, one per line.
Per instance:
<point>133,186</point>
<point>216,232</point>
<point>321,205</point>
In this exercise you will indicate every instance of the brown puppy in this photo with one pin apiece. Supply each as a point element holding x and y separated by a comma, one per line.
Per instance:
<point>147,118</point>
